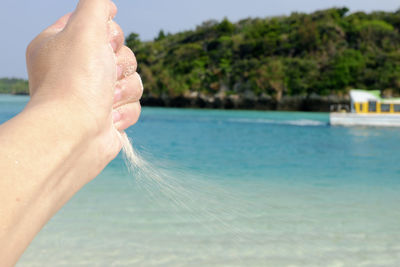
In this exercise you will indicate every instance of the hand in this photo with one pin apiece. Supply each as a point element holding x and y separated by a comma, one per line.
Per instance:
<point>84,90</point>
<point>80,65</point>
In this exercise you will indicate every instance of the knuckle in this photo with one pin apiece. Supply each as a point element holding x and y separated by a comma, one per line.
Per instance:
<point>117,33</point>
<point>130,115</point>
<point>140,81</point>
<point>28,50</point>
<point>127,60</point>
<point>136,88</point>
<point>134,113</point>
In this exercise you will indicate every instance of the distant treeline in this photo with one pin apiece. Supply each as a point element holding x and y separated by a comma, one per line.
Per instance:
<point>14,86</point>
<point>323,53</point>
<point>301,56</point>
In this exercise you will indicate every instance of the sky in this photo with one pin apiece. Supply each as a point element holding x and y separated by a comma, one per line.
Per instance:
<point>22,20</point>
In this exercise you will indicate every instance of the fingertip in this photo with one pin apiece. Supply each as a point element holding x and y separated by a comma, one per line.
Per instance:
<point>113,10</point>
<point>128,90</point>
<point>128,115</point>
<point>116,36</point>
<point>93,13</point>
<point>139,78</point>
<point>126,61</point>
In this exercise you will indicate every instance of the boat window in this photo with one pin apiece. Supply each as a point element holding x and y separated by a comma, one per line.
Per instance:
<point>372,106</point>
<point>361,108</point>
<point>385,107</point>
<point>397,108</point>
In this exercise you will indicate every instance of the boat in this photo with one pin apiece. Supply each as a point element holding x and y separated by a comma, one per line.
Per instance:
<point>367,108</point>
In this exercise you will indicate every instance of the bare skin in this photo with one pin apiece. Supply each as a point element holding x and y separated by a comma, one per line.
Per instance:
<point>84,90</point>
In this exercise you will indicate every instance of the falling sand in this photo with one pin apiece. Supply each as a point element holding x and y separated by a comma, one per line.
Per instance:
<point>187,193</point>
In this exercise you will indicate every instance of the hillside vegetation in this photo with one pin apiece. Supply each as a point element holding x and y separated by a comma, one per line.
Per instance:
<point>323,53</point>
<point>13,86</point>
<point>262,62</point>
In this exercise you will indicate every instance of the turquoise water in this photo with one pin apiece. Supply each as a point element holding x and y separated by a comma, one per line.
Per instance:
<point>234,188</point>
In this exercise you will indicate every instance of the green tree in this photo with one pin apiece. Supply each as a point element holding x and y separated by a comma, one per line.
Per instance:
<point>325,52</point>
<point>345,70</point>
<point>161,36</point>
<point>133,41</point>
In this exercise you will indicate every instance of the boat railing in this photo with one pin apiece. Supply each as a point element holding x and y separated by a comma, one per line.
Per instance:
<point>341,108</point>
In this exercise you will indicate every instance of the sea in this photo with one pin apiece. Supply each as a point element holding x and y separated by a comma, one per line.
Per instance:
<point>233,188</point>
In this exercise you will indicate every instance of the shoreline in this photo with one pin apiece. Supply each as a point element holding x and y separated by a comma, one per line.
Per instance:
<point>311,103</point>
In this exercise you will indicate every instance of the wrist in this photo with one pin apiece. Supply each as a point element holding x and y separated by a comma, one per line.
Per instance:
<point>90,143</point>
<point>62,115</point>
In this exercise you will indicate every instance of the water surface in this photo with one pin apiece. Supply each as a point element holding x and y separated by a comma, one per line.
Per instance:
<point>252,189</point>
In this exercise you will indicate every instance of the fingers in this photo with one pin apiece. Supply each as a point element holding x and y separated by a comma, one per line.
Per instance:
<point>89,14</point>
<point>126,115</point>
<point>96,9</point>
<point>128,90</point>
<point>116,36</point>
<point>113,10</point>
<point>126,63</point>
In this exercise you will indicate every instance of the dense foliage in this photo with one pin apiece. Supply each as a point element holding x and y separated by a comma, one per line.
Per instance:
<point>13,86</point>
<point>323,53</point>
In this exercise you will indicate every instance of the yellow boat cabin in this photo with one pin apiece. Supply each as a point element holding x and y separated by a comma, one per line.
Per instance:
<point>366,102</point>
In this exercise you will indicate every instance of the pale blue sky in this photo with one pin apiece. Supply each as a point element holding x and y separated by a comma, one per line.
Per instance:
<point>21,20</point>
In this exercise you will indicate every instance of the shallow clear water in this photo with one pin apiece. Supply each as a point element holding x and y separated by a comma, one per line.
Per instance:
<point>239,189</point>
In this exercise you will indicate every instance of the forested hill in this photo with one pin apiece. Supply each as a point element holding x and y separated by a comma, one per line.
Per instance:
<point>13,86</point>
<point>271,63</point>
<point>323,53</point>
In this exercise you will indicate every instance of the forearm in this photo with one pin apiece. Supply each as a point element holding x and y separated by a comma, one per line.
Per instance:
<point>52,149</point>
<point>38,156</point>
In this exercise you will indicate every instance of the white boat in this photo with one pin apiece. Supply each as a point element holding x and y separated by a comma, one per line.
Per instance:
<point>367,108</point>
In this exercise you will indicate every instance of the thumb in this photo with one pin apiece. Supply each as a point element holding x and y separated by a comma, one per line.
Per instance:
<point>60,23</point>
<point>90,14</point>
<point>55,28</point>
